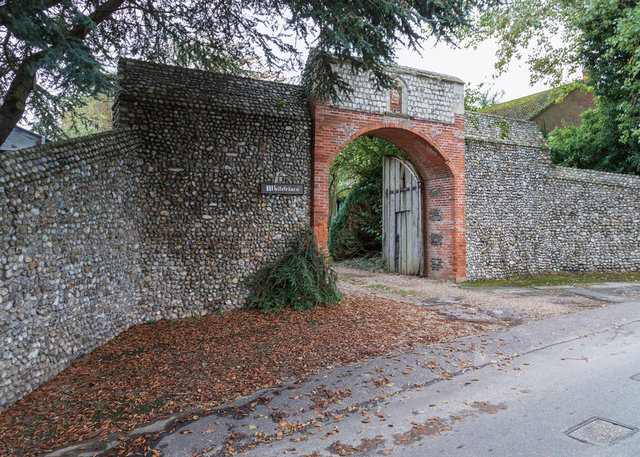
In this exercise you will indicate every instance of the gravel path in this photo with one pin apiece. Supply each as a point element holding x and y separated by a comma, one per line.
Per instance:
<point>517,305</point>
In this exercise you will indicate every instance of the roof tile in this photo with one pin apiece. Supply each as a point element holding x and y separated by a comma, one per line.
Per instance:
<point>522,108</point>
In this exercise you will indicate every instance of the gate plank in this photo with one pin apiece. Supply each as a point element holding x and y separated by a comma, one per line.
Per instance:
<point>402,217</point>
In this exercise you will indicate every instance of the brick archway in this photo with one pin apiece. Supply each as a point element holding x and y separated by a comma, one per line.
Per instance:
<point>437,151</point>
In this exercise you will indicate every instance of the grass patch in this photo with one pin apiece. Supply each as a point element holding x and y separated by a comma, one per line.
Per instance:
<point>351,280</point>
<point>395,290</point>
<point>555,279</point>
<point>382,287</point>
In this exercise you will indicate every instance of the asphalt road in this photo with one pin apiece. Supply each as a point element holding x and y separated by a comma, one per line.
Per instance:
<point>521,392</point>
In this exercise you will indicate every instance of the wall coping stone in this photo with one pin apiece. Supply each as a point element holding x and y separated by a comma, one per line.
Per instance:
<point>177,86</point>
<point>401,69</point>
<point>24,162</point>
<point>594,177</point>
<point>498,129</point>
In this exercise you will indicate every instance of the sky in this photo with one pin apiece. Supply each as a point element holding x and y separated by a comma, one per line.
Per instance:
<point>472,66</point>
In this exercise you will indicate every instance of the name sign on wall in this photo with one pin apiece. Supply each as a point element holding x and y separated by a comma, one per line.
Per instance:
<point>270,188</point>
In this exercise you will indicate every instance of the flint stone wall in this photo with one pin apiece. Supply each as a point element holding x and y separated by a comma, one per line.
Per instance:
<point>163,217</point>
<point>526,216</point>
<point>428,95</point>
<point>209,141</point>
<point>103,232</point>
<point>69,255</point>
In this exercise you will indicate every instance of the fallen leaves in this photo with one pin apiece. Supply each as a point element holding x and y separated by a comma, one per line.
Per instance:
<point>324,397</point>
<point>381,381</point>
<point>366,447</point>
<point>433,426</point>
<point>153,370</point>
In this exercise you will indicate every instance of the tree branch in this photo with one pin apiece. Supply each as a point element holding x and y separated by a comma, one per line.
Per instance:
<point>49,3</point>
<point>15,99</point>
<point>23,82</point>
<point>101,13</point>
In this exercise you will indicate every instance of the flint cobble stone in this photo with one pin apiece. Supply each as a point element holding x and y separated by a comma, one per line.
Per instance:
<point>209,141</point>
<point>526,216</point>
<point>69,261</point>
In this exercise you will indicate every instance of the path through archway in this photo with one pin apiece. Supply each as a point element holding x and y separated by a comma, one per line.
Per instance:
<point>437,151</point>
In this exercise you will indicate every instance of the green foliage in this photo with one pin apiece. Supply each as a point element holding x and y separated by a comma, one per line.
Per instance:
<point>92,116</point>
<point>593,145</point>
<point>300,279</point>
<point>610,45</point>
<point>72,45</point>
<point>478,97</point>
<point>356,230</point>
<point>504,128</point>
<point>362,158</point>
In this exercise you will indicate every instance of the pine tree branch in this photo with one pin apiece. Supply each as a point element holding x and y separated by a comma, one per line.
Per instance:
<point>101,13</point>
<point>23,83</point>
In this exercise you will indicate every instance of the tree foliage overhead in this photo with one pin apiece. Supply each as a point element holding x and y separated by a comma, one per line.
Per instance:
<point>363,34</point>
<point>610,47</point>
<point>540,31</point>
<point>602,37</point>
<point>55,52</point>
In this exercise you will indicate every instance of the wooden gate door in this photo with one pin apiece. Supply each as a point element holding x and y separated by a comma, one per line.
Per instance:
<point>402,246</point>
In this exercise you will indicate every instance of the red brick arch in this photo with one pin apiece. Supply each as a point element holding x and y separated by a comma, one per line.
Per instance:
<point>437,151</point>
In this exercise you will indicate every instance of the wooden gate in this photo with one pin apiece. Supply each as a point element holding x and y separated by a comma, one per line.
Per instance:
<point>402,246</point>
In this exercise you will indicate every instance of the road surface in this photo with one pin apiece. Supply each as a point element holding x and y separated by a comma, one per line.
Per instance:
<point>565,386</point>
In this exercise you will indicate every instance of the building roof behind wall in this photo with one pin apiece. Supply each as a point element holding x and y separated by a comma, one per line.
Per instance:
<point>522,108</point>
<point>21,138</point>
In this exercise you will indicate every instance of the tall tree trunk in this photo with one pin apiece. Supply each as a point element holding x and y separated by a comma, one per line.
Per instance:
<point>15,98</point>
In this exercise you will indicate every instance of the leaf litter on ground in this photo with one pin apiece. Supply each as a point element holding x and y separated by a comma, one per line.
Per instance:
<point>153,370</point>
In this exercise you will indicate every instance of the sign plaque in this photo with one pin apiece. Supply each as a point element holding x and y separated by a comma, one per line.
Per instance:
<point>270,188</point>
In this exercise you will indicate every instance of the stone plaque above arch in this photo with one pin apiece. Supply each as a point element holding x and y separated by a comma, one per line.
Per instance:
<point>398,98</point>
